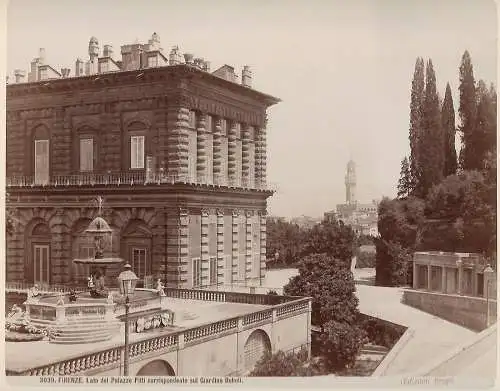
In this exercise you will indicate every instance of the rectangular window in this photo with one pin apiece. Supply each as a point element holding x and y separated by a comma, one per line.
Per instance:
<point>152,62</point>
<point>41,162</point>
<point>136,152</point>
<point>196,272</point>
<point>213,270</point>
<point>139,261</point>
<point>86,154</point>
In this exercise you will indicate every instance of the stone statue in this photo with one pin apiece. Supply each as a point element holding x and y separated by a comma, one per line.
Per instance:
<point>60,299</point>
<point>99,288</point>
<point>160,287</point>
<point>33,292</point>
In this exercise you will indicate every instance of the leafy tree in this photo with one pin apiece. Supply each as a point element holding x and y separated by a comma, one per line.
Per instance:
<point>405,181</point>
<point>399,223</point>
<point>467,111</point>
<point>330,283</point>
<point>331,237</point>
<point>341,343</point>
<point>365,259</point>
<point>416,120</point>
<point>431,156</point>
<point>284,239</point>
<point>285,364</point>
<point>448,124</point>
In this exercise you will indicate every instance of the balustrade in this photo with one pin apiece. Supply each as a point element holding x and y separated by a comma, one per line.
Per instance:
<point>132,178</point>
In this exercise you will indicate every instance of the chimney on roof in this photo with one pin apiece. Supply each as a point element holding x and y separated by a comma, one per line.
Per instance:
<point>65,72</point>
<point>206,66</point>
<point>19,74</point>
<point>174,57</point>
<point>41,56</point>
<point>188,58</point>
<point>246,77</point>
<point>107,51</point>
<point>79,67</point>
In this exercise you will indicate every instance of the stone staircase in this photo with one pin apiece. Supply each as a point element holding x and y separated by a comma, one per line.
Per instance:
<point>86,330</point>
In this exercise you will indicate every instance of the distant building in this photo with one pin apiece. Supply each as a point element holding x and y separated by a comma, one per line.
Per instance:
<point>361,217</point>
<point>306,222</point>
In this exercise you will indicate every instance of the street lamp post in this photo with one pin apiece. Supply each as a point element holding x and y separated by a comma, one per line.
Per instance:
<point>488,271</point>
<point>127,279</point>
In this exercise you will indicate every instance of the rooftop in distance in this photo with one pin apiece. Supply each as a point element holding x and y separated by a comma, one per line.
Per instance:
<point>133,57</point>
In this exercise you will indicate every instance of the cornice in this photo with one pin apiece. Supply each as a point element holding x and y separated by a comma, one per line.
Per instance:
<point>140,76</point>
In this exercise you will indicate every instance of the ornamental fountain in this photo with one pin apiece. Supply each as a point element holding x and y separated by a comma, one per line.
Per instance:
<point>97,314</point>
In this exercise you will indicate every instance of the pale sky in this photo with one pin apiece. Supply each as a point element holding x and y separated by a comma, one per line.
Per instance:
<point>342,68</point>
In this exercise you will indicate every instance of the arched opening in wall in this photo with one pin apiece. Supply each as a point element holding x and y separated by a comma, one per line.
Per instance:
<point>256,346</point>
<point>156,368</point>
<point>136,249</point>
<point>37,263</point>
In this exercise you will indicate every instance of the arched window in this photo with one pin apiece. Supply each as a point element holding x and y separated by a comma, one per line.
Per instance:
<point>256,346</point>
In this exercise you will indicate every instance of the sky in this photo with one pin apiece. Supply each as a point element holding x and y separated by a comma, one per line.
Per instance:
<point>343,70</point>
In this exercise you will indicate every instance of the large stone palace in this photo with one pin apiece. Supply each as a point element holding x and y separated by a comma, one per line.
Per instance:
<point>177,152</point>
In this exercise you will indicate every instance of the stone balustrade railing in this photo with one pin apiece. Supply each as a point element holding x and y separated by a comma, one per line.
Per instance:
<point>130,178</point>
<point>23,287</point>
<point>110,358</point>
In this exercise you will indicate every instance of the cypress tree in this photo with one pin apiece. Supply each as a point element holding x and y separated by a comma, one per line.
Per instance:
<point>483,139</point>
<point>404,183</point>
<point>448,124</point>
<point>466,111</point>
<point>432,140</point>
<point>416,105</point>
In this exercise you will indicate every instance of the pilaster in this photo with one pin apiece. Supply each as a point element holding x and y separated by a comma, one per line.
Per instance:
<point>231,154</point>
<point>248,248</point>
<point>217,152</point>
<point>201,162</point>
<point>263,243</point>
<point>235,247</point>
<point>177,246</point>
<point>205,261</point>
<point>415,275</point>
<point>178,140</point>
<point>429,277</point>
<point>443,279</point>
<point>260,158</point>
<point>460,276</point>
<point>245,157</point>
<point>220,247</point>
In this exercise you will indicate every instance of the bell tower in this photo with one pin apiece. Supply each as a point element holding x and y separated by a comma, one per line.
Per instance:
<point>350,183</point>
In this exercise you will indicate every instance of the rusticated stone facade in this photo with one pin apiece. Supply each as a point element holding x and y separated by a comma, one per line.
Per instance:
<point>172,212</point>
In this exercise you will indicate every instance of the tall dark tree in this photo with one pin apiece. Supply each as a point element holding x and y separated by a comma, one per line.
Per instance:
<point>432,140</point>
<point>483,138</point>
<point>467,111</point>
<point>416,116</point>
<point>448,124</point>
<point>405,181</point>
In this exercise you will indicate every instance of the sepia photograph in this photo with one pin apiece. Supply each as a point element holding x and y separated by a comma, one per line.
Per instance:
<point>266,193</point>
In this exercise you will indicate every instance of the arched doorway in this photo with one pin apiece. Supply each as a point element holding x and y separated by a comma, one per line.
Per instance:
<point>38,266</point>
<point>256,346</point>
<point>156,368</point>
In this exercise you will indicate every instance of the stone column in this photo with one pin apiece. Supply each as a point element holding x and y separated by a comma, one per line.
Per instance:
<point>201,143</point>
<point>248,247</point>
<point>205,261</point>
<point>231,154</point>
<point>415,274</point>
<point>429,277</point>
<point>235,239</point>
<point>263,244</point>
<point>178,140</point>
<point>460,276</point>
<point>220,246</point>
<point>443,279</point>
<point>245,156</point>
<point>217,151</point>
